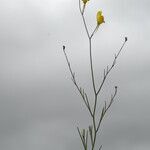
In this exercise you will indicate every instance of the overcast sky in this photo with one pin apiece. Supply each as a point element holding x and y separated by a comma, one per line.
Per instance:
<point>39,105</point>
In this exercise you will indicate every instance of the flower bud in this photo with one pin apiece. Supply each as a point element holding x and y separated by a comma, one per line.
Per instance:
<point>85,1</point>
<point>100,18</point>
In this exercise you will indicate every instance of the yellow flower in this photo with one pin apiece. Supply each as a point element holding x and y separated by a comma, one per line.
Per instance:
<point>85,1</point>
<point>100,18</point>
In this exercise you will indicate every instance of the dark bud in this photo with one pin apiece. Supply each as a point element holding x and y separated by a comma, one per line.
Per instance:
<point>116,87</point>
<point>126,39</point>
<point>63,47</point>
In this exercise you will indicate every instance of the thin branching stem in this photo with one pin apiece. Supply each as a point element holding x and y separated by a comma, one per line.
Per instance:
<point>90,45</point>
<point>108,70</point>
<point>83,18</point>
<point>106,108</point>
<point>81,137</point>
<point>81,91</point>
<point>92,73</point>
<point>96,121</point>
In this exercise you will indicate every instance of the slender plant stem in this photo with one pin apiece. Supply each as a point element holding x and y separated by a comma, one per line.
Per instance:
<point>91,65</point>
<point>82,14</point>
<point>96,121</point>
<point>81,90</point>
<point>108,70</point>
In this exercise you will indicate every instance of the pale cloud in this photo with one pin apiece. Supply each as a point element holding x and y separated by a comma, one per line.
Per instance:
<point>39,106</point>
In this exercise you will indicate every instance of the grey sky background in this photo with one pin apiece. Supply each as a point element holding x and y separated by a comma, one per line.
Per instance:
<point>39,106</point>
